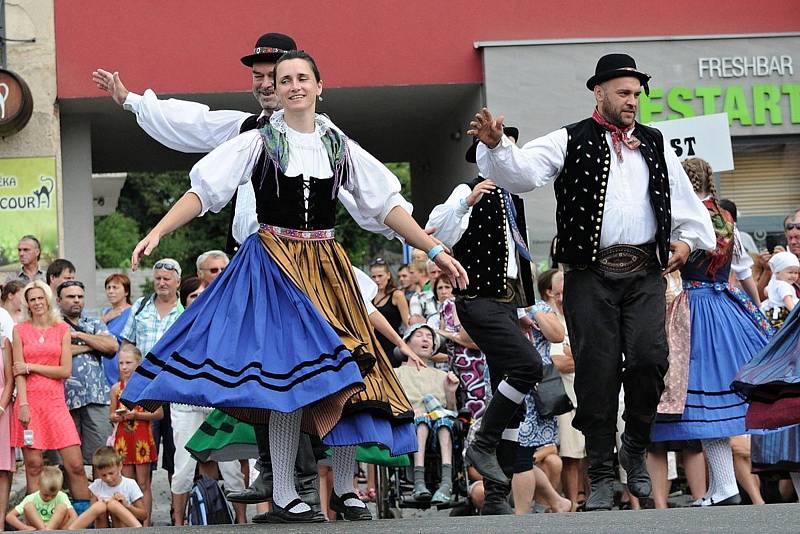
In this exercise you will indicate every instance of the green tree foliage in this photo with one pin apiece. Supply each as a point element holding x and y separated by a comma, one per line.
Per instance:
<point>115,236</point>
<point>146,197</point>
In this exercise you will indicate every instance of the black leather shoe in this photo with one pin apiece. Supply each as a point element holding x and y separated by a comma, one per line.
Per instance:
<point>349,513</point>
<point>602,497</point>
<point>259,491</point>
<point>485,462</point>
<point>283,515</point>
<point>636,468</point>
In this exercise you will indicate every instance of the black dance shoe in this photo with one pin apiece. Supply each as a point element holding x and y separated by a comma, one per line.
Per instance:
<point>602,496</point>
<point>638,478</point>
<point>284,515</point>
<point>259,491</point>
<point>349,513</point>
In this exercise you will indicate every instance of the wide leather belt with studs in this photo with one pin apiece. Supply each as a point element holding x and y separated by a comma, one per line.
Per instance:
<point>625,258</point>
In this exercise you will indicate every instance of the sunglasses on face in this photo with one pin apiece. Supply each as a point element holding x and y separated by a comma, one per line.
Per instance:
<point>792,226</point>
<point>215,270</point>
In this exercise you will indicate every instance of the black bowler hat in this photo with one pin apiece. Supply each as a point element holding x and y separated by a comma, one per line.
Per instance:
<point>616,66</point>
<point>270,47</point>
<point>510,131</point>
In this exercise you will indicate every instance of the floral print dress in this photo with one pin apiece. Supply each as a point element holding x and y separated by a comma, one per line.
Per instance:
<point>134,439</point>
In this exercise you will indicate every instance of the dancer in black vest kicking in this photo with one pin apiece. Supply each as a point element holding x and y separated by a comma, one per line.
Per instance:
<point>623,205</point>
<point>485,227</point>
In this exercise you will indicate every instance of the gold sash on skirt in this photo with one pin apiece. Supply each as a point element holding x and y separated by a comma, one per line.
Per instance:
<point>322,270</point>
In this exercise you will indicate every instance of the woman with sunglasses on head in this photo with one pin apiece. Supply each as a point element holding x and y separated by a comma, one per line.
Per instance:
<point>282,336</point>
<point>390,301</point>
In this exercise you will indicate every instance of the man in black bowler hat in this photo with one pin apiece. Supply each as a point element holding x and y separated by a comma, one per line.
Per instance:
<point>626,214</point>
<point>484,225</point>
<point>192,127</point>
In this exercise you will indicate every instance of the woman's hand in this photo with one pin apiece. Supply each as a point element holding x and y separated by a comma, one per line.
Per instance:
<point>412,356</point>
<point>144,248</point>
<point>24,415</point>
<point>130,415</point>
<point>452,269</point>
<point>20,368</point>
<point>116,418</point>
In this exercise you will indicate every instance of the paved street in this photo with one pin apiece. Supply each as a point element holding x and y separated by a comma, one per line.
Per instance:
<point>746,519</point>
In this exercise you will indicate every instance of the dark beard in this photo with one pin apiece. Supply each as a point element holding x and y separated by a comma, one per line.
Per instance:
<point>612,116</point>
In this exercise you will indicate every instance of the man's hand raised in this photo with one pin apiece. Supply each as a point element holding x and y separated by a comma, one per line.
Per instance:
<point>486,128</point>
<point>107,81</point>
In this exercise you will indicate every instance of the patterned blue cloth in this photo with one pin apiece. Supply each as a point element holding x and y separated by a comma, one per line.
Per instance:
<point>88,384</point>
<point>537,431</point>
<point>145,328</point>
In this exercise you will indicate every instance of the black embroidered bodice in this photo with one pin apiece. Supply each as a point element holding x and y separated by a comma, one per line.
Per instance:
<point>281,200</point>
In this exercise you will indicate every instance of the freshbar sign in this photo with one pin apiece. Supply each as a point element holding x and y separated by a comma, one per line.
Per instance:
<point>753,90</point>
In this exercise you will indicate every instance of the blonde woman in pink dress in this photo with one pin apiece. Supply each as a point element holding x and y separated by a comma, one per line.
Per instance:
<point>42,361</point>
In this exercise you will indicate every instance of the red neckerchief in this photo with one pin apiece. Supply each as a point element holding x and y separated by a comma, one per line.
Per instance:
<point>618,135</point>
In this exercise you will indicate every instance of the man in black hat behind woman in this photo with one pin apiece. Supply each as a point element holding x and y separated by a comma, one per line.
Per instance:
<point>193,127</point>
<point>485,227</point>
<point>626,214</point>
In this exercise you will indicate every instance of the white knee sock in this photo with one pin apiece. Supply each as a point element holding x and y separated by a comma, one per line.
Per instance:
<point>344,460</point>
<point>284,431</point>
<point>796,483</point>
<point>720,467</point>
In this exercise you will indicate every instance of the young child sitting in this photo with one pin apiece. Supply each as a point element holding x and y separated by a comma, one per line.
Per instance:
<point>781,295</point>
<point>429,390</point>
<point>114,496</point>
<point>133,438</point>
<point>47,509</point>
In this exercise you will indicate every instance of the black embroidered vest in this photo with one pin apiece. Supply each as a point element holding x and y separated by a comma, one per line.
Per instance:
<point>581,191</point>
<point>281,200</point>
<point>483,250</point>
<point>250,123</point>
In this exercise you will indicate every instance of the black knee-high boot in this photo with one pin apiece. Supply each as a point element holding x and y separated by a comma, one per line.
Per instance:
<point>635,440</point>
<point>600,454</point>
<point>496,494</point>
<point>502,410</point>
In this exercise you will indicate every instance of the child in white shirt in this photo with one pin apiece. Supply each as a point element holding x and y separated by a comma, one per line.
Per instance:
<point>114,496</point>
<point>781,292</point>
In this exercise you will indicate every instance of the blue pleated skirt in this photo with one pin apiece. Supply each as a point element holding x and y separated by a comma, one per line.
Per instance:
<point>777,450</point>
<point>253,342</point>
<point>724,337</point>
<point>776,368</point>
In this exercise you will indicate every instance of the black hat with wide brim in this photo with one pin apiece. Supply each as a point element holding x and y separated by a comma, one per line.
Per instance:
<point>613,66</point>
<point>510,131</point>
<point>270,47</point>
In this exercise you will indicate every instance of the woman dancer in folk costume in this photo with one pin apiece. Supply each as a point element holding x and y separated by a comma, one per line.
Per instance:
<point>725,329</point>
<point>282,335</point>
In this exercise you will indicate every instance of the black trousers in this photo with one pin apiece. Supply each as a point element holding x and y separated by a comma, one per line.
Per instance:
<point>609,315</point>
<point>494,327</point>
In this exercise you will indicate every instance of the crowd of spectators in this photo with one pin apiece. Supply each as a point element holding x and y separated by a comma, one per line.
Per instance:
<point>57,360</point>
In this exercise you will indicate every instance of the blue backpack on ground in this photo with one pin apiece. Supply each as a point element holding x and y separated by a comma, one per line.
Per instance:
<point>207,505</point>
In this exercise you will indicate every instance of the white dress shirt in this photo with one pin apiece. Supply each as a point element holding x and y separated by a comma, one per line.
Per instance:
<point>451,220</point>
<point>192,127</point>
<point>627,214</point>
<point>375,190</point>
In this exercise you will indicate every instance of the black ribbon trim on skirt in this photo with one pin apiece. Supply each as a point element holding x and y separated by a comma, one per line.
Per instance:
<point>155,360</point>
<point>710,393</point>
<point>226,383</point>
<point>727,406</point>
<point>677,421</point>
<point>211,431</point>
